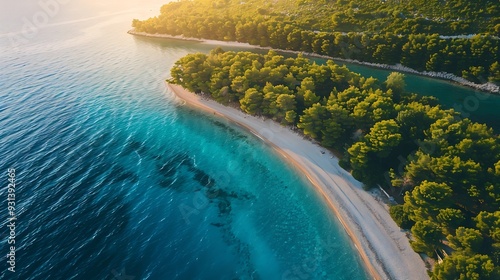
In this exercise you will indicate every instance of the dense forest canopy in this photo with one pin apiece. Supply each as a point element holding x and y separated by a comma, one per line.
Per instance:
<point>448,168</point>
<point>427,35</point>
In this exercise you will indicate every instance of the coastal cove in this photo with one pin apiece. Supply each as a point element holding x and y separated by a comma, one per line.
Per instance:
<point>486,87</point>
<point>472,103</point>
<point>383,247</point>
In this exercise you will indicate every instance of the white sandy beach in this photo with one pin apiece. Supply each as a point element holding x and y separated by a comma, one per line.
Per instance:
<point>384,248</point>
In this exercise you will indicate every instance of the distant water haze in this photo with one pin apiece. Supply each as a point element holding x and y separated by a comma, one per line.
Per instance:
<point>16,14</point>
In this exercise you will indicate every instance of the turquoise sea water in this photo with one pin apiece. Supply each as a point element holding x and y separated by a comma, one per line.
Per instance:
<point>116,182</point>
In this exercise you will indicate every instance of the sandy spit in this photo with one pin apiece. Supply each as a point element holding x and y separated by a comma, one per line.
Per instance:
<point>382,245</point>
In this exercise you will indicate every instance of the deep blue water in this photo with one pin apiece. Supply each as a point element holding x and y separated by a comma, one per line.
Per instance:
<point>114,180</point>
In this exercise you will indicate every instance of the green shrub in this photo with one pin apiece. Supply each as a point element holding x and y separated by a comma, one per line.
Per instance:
<point>400,217</point>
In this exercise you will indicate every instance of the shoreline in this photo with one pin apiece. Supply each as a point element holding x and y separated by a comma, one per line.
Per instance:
<point>383,247</point>
<point>486,87</point>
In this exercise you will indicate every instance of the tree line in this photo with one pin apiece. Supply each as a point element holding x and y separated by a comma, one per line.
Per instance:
<point>448,168</point>
<point>388,32</point>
